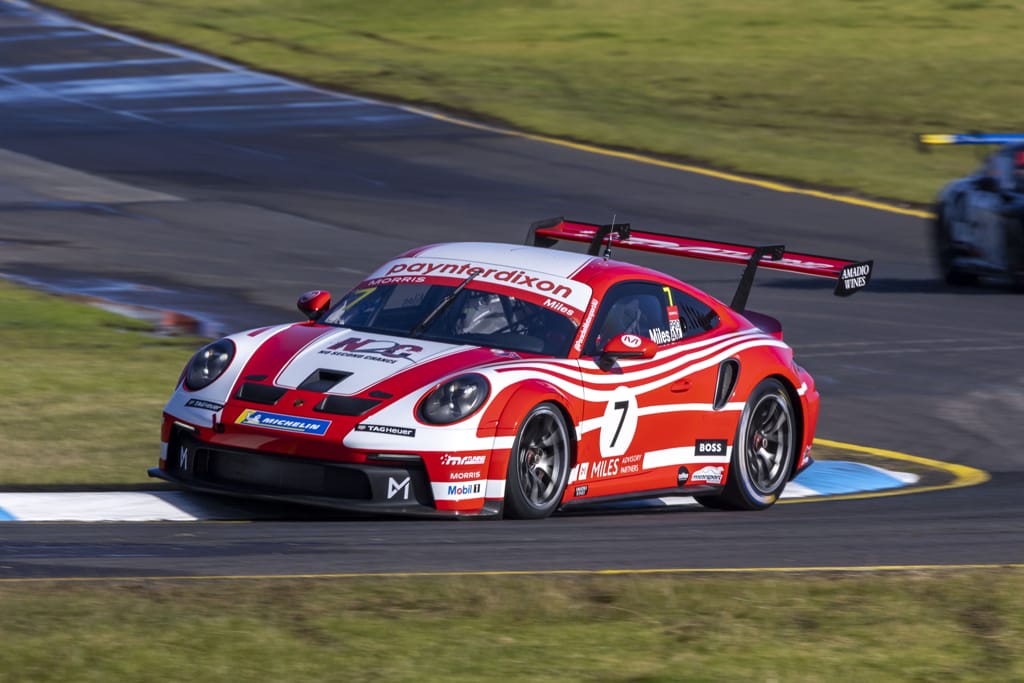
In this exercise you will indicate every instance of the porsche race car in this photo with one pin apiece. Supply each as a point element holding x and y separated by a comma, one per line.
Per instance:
<point>485,379</point>
<point>979,219</point>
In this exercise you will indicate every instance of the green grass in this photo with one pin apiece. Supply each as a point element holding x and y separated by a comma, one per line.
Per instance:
<point>82,392</point>
<point>827,93</point>
<point>938,626</point>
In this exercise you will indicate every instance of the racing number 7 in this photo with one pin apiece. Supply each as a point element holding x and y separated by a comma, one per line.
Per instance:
<point>624,407</point>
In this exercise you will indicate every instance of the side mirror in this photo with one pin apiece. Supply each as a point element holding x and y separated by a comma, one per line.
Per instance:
<point>314,304</point>
<point>626,346</point>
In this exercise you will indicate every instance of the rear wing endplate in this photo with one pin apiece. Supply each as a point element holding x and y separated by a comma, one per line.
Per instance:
<point>926,139</point>
<point>850,276</point>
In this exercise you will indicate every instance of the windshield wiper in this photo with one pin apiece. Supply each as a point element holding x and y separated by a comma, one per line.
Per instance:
<point>445,303</point>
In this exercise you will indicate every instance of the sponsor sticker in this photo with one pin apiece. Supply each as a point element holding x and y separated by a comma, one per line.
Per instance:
<point>551,291</point>
<point>708,475</point>
<point>380,350</point>
<point>710,447</point>
<point>682,476</point>
<point>284,423</point>
<point>463,489</point>
<point>456,460</point>
<point>580,491</point>
<point>396,487</point>
<point>205,405</point>
<point>631,341</point>
<point>386,429</point>
<point>585,327</point>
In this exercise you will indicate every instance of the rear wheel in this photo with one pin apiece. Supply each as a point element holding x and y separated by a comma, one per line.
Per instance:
<point>538,467</point>
<point>763,453</point>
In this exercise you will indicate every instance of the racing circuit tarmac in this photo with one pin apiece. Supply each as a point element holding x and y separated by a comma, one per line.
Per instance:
<point>232,192</point>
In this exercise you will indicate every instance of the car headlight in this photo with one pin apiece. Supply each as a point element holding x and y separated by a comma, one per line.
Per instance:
<point>454,400</point>
<point>208,364</point>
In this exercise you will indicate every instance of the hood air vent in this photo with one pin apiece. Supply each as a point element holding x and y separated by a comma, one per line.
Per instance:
<point>323,381</point>
<point>345,405</point>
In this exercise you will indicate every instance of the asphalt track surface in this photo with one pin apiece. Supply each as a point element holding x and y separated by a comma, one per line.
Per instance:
<point>163,175</point>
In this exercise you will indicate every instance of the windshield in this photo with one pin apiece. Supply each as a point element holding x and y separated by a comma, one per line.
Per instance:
<point>473,316</point>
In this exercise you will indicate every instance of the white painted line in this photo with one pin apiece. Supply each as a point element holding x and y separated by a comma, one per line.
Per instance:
<point>838,478</point>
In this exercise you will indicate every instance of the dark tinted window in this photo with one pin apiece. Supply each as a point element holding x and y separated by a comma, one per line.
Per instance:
<point>650,310</point>
<point>473,316</point>
<point>695,316</point>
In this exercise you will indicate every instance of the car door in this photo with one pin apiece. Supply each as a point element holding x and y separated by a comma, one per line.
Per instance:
<point>986,208</point>
<point>639,414</point>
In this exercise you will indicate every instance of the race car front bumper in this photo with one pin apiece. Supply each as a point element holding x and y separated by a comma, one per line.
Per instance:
<point>386,488</point>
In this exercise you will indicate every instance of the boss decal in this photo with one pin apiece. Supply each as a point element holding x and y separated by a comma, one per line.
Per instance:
<point>205,405</point>
<point>284,423</point>
<point>710,447</point>
<point>386,429</point>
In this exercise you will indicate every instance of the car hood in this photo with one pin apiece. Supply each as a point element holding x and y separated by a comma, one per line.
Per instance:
<point>344,361</point>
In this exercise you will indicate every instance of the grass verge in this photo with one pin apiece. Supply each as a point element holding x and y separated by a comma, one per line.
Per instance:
<point>83,391</point>
<point>913,626</point>
<point>829,95</point>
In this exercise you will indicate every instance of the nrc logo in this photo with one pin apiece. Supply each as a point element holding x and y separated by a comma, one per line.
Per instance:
<point>388,349</point>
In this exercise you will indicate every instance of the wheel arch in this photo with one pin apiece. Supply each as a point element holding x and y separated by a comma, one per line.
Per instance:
<point>798,415</point>
<point>524,398</point>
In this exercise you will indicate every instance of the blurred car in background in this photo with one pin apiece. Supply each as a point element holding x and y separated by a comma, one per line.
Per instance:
<point>978,228</point>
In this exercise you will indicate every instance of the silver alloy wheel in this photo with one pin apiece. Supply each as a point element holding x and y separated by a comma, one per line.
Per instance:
<point>541,457</point>
<point>767,442</point>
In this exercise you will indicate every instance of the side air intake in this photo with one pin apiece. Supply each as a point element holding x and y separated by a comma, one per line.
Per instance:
<point>728,373</point>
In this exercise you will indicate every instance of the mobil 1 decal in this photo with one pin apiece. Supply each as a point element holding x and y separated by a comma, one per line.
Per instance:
<point>619,423</point>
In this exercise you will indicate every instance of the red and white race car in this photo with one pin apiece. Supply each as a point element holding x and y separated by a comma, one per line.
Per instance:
<point>496,379</point>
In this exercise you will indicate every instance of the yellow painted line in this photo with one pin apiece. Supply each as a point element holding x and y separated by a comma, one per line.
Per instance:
<point>653,161</point>
<point>523,572</point>
<point>962,474</point>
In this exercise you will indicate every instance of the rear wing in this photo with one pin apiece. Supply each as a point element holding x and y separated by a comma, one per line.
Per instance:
<point>926,139</point>
<point>850,276</point>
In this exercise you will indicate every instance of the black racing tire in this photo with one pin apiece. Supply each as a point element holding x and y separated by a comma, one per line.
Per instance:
<point>944,253</point>
<point>763,453</point>
<point>538,466</point>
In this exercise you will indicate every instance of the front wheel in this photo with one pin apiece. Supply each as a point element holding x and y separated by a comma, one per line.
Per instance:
<point>538,467</point>
<point>763,453</point>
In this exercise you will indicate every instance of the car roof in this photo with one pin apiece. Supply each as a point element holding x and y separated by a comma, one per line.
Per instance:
<point>572,265</point>
<point>548,261</point>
